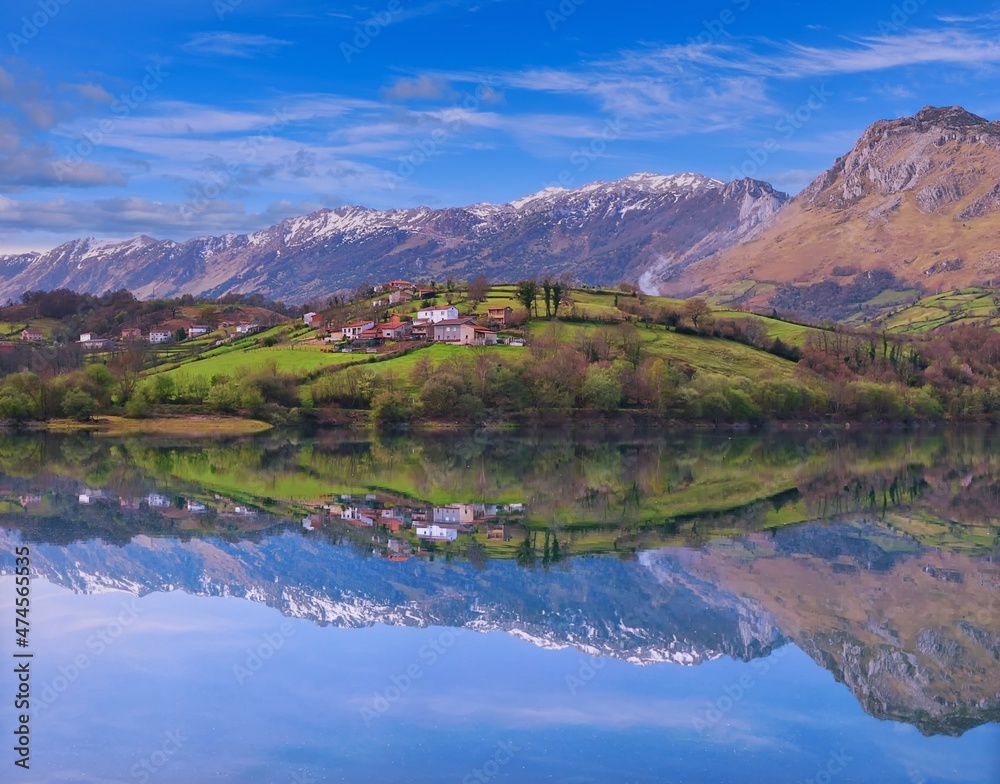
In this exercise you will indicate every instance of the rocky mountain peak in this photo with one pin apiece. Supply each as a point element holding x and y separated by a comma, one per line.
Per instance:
<point>943,153</point>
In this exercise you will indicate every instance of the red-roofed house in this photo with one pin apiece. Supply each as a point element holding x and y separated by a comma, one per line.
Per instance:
<point>31,334</point>
<point>355,328</point>
<point>395,328</point>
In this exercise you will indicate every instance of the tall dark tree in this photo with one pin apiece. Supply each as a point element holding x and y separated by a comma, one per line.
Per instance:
<point>527,291</point>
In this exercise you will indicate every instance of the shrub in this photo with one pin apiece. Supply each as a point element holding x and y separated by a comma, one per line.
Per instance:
<point>79,405</point>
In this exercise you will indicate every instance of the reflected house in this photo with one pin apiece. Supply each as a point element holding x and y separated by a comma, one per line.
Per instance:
<point>454,514</point>
<point>496,533</point>
<point>196,507</point>
<point>157,501</point>
<point>435,532</point>
<point>355,516</point>
<point>29,500</point>
<point>312,522</point>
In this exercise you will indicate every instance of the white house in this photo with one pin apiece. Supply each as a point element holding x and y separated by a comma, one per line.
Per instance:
<point>355,328</point>
<point>247,329</point>
<point>437,532</point>
<point>438,314</point>
<point>160,336</point>
<point>198,330</point>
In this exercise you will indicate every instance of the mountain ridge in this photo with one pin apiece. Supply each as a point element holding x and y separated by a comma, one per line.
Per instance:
<point>599,233</point>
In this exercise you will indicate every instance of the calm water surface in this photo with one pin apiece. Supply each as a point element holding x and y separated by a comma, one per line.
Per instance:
<point>537,608</point>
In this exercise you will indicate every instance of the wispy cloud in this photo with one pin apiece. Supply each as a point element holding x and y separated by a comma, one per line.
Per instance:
<point>234,44</point>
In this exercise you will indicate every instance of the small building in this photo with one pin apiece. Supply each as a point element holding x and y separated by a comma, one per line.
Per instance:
<point>499,315</point>
<point>454,514</point>
<point>395,328</point>
<point>438,532</point>
<point>437,315</point>
<point>131,333</point>
<point>314,320</point>
<point>399,284</point>
<point>450,330</point>
<point>247,329</point>
<point>160,336</point>
<point>474,335</point>
<point>198,329</point>
<point>95,344</point>
<point>355,328</point>
<point>31,334</point>
<point>86,337</point>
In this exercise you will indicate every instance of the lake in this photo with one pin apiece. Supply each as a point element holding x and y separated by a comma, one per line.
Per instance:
<point>631,607</point>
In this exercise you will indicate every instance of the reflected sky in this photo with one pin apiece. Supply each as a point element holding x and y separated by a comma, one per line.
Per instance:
<point>170,680</point>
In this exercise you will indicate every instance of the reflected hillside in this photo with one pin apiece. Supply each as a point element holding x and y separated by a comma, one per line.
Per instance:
<point>580,495</point>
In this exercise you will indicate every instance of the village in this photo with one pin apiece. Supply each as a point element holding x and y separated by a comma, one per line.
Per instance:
<point>430,323</point>
<point>389,527</point>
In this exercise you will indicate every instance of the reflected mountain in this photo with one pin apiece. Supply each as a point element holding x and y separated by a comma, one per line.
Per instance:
<point>875,555</point>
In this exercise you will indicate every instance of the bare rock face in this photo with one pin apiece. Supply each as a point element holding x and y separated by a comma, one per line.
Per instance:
<point>599,234</point>
<point>913,196</point>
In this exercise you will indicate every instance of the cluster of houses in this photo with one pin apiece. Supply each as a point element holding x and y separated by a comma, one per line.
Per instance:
<point>158,335</point>
<point>430,524</point>
<point>435,324</point>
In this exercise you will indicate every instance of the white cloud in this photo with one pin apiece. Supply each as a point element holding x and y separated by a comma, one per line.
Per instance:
<point>234,44</point>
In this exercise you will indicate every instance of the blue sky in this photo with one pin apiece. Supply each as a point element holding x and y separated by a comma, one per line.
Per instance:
<point>206,116</point>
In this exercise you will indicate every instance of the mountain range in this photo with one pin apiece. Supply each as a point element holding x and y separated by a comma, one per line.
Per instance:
<point>844,592</point>
<point>915,205</point>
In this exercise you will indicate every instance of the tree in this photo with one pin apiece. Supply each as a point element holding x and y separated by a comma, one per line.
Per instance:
<point>696,310</point>
<point>557,297</point>
<point>79,405</point>
<point>547,296</point>
<point>180,334</point>
<point>479,287</point>
<point>527,291</point>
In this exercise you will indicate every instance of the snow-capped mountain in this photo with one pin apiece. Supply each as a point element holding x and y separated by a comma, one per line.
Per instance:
<point>601,607</point>
<point>600,233</point>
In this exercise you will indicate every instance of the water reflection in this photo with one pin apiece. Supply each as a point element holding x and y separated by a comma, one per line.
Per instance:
<point>873,555</point>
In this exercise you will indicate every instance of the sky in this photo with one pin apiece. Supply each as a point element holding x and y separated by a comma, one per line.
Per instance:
<point>199,117</point>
